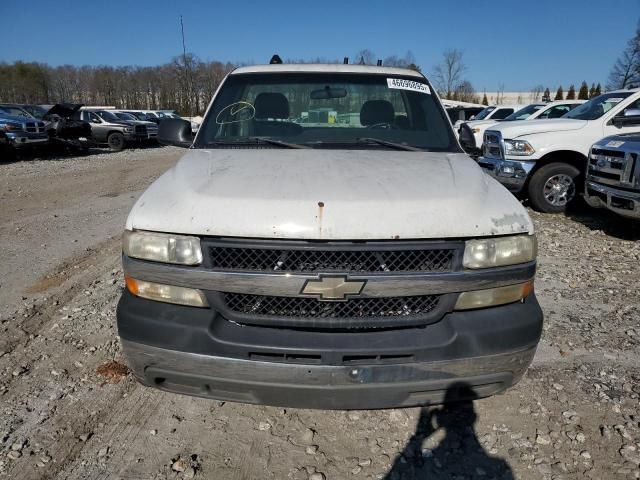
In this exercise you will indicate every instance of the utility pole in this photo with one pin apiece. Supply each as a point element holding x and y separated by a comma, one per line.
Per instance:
<point>187,74</point>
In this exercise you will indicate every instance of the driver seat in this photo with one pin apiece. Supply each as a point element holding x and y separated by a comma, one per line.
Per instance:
<point>374,112</point>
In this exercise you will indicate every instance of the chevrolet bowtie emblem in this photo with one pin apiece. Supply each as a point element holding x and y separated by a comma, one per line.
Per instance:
<point>333,287</point>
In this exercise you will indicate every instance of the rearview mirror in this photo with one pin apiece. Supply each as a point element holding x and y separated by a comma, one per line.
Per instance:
<point>176,132</point>
<point>328,92</point>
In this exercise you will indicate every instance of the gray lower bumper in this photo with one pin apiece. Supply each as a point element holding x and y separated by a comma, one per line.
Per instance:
<point>512,174</point>
<point>622,202</point>
<point>323,386</point>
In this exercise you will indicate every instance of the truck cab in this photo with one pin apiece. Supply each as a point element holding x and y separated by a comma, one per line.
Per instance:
<point>107,128</point>
<point>546,160</point>
<point>327,264</point>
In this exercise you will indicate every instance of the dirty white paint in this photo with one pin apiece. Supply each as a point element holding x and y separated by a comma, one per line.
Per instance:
<point>328,194</point>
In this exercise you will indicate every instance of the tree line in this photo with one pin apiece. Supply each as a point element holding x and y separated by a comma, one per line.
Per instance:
<point>186,84</point>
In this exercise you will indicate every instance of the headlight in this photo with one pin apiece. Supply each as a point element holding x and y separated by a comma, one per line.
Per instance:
<point>166,293</point>
<point>128,129</point>
<point>518,147</point>
<point>497,252</point>
<point>475,130</point>
<point>162,247</point>
<point>12,127</point>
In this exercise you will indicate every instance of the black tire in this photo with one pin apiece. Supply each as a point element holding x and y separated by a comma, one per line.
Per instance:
<point>553,187</point>
<point>115,141</point>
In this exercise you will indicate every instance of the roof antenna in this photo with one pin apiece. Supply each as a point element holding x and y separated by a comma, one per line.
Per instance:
<point>346,60</point>
<point>361,60</point>
<point>379,63</point>
<point>275,60</point>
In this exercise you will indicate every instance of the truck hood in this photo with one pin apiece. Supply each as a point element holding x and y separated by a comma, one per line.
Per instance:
<point>64,110</point>
<point>328,194</point>
<point>482,123</point>
<point>518,128</point>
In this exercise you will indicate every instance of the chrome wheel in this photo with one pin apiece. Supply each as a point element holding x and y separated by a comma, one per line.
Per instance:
<point>559,190</point>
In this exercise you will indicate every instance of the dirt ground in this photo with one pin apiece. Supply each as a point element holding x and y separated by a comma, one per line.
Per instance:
<point>68,412</point>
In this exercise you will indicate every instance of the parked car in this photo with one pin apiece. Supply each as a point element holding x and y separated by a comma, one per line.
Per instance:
<point>492,112</point>
<point>613,175</point>
<point>107,128</point>
<point>20,131</point>
<point>546,159</point>
<point>152,128</point>
<point>471,133</point>
<point>327,265</point>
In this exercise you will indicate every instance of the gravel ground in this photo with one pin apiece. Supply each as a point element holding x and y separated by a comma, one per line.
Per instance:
<point>69,409</point>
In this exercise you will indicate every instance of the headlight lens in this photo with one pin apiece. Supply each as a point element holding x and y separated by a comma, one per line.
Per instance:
<point>166,293</point>
<point>128,129</point>
<point>497,252</point>
<point>518,147</point>
<point>11,127</point>
<point>491,297</point>
<point>162,247</point>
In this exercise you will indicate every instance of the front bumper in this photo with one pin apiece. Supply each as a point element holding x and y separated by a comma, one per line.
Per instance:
<point>622,202</point>
<point>24,139</point>
<point>198,352</point>
<point>512,174</point>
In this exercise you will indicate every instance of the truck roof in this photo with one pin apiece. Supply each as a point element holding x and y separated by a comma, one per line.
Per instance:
<point>327,68</point>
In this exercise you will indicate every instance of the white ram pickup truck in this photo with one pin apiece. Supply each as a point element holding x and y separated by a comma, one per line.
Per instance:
<point>547,159</point>
<point>471,133</point>
<point>357,259</point>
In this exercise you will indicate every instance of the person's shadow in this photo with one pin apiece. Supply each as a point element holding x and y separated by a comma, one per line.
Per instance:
<point>458,455</point>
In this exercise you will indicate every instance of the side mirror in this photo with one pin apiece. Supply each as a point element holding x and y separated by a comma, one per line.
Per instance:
<point>176,132</point>
<point>631,116</point>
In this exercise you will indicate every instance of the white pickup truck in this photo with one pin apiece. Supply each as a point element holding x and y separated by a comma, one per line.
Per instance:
<point>547,159</point>
<point>471,133</point>
<point>356,260</point>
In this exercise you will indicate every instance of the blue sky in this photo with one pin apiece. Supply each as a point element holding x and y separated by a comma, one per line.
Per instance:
<point>515,43</point>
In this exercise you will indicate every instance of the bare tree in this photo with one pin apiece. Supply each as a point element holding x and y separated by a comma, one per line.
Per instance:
<point>365,56</point>
<point>626,71</point>
<point>448,73</point>
<point>536,92</point>
<point>465,93</point>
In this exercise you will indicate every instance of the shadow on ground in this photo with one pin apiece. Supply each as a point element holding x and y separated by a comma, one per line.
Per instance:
<point>605,221</point>
<point>458,455</point>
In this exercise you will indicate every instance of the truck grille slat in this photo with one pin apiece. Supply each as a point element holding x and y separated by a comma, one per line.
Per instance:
<point>316,260</point>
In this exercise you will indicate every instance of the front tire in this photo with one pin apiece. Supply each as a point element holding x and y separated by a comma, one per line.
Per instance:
<point>115,141</point>
<point>553,187</point>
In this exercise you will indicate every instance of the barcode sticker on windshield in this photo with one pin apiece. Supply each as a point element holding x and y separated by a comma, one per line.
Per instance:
<point>614,143</point>
<point>408,85</point>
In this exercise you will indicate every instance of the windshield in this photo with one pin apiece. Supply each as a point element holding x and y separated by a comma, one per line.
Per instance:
<point>524,113</point>
<point>125,116</point>
<point>108,116</point>
<point>321,110</point>
<point>16,112</point>
<point>484,113</point>
<point>597,107</point>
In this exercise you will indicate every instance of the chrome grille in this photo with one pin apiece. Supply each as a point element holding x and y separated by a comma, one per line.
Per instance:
<point>312,260</point>
<point>613,167</point>
<point>34,127</point>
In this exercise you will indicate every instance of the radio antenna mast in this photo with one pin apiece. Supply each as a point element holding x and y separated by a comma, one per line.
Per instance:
<point>187,75</point>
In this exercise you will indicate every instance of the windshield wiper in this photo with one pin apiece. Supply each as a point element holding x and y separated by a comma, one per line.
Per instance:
<point>399,146</point>
<point>257,140</point>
